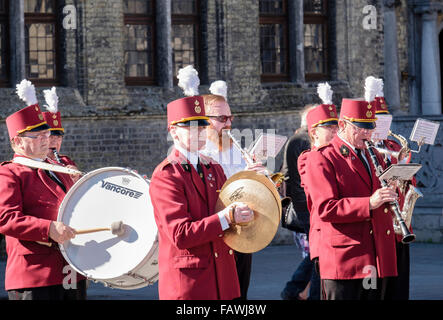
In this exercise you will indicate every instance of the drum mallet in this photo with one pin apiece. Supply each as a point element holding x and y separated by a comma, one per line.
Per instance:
<point>117,228</point>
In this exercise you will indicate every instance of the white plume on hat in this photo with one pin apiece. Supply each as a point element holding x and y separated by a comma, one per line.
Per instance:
<point>325,93</point>
<point>372,87</point>
<point>188,80</point>
<point>26,92</point>
<point>51,100</point>
<point>380,92</point>
<point>220,88</point>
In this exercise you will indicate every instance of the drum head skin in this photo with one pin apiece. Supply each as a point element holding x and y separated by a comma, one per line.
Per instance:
<point>98,199</point>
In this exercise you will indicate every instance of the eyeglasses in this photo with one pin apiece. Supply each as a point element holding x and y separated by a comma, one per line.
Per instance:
<point>222,118</point>
<point>44,134</point>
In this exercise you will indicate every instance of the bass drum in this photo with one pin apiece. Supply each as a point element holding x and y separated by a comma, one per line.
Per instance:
<point>98,199</point>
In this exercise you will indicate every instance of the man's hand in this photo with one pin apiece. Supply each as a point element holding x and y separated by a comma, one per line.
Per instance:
<point>74,177</point>
<point>238,212</point>
<point>381,196</point>
<point>59,232</point>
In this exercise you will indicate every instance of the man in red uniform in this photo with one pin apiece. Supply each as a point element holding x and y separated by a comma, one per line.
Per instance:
<point>220,119</point>
<point>53,119</point>
<point>29,202</point>
<point>221,150</point>
<point>397,287</point>
<point>194,261</point>
<point>357,247</point>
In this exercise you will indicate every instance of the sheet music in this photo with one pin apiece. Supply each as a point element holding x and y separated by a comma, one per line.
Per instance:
<point>400,171</point>
<point>424,129</point>
<point>267,145</point>
<point>383,124</point>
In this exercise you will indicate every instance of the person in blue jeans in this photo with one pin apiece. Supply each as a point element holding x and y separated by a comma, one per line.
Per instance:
<point>305,278</point>
<point>304,275</point>
<point>318,127</point>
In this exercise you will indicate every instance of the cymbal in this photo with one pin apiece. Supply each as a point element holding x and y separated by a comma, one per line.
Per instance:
<point>261,195</point>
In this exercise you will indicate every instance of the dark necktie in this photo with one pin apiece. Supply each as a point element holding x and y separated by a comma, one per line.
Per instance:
<point>360,156</point>
<point>200,170</point>
<point>55,179</point>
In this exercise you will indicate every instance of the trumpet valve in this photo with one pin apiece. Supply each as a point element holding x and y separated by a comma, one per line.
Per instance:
<point>277,178</point>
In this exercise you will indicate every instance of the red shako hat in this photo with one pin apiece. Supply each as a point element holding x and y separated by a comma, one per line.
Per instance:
<point>53,116</point>
<point>191,108</point>
<point>29,118</point>
<point>325,113</point>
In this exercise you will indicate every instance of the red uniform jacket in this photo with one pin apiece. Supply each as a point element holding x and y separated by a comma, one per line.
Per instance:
<point>29,201</point>
<point>194,262</point>
<point>353,238</point>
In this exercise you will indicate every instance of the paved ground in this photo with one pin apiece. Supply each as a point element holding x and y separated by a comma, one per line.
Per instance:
<point>273,267</point>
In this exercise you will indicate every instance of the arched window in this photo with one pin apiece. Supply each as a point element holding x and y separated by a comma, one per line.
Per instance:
<point>273,16</point>
<point>139,19</point>
<point>41,54</point>
<point>142,42</point>
<point>185,34</point>
<point>315,39</point>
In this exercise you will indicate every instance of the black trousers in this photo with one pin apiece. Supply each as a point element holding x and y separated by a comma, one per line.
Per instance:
<point>398,287</point>
<point>56,292</point>
<point>352,290</point>
<point>243,262</point>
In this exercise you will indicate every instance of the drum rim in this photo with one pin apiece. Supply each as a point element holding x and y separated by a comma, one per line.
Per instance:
<point>64,203</point>
<point>153,253</point>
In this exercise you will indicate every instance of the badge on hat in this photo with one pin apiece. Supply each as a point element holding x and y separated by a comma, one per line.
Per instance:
<point>382,106</point>
<point>197,108</point>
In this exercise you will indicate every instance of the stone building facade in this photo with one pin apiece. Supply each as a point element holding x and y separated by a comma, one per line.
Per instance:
<point>111,123</point>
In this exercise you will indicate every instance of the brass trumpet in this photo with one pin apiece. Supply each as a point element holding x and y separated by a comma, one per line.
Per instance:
<point>399,155</point>
<point>277,178</point>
